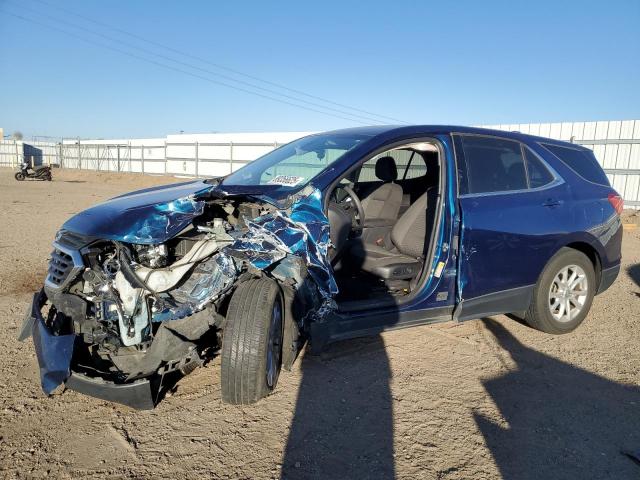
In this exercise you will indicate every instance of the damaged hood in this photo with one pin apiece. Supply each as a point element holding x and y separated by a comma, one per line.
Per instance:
<point>149,216</point>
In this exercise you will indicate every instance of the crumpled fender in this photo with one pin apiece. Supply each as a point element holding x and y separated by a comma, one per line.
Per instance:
<point>302,231</point>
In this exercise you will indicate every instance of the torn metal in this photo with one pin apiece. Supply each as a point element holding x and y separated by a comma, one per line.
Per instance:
<point>303,232</point>
<point>137,282</point>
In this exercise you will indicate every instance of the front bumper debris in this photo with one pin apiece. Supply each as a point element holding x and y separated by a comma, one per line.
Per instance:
<point>138,394</point>
<point>54,353</point>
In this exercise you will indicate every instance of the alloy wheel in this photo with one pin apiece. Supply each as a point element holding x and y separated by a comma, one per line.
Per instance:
<point>568,293</point>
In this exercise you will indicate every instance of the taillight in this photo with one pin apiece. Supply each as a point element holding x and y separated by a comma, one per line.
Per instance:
<point>616,202</point>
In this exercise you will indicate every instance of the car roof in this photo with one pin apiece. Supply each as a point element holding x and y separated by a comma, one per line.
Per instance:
<point>391,131</point>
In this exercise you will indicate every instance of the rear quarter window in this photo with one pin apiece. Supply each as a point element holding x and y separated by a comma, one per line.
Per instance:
<point>539,175</point>
<point>583,162</point>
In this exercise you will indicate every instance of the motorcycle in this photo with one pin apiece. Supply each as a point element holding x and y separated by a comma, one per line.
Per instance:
<point>41,172</point>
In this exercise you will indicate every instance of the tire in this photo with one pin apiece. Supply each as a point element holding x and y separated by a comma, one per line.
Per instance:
<point>48,177</point>
<point>19,176</point>
<point>252,342</point>
<point>547,311</point>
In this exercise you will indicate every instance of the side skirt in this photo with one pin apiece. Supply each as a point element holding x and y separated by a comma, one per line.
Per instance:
<point>506,301</point>
<point>338,327</point>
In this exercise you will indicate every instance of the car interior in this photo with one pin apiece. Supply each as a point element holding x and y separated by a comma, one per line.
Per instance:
<point>382,215</point>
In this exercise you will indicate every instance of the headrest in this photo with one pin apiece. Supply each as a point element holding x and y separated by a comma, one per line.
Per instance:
<point>386,169</point>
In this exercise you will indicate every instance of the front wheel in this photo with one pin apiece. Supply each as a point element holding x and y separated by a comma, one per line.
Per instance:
<point>19,176</point>
<point>252,342</point>
<point>564,293</point>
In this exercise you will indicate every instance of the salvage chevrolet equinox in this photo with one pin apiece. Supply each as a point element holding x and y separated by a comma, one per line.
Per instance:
<point>332,236</point>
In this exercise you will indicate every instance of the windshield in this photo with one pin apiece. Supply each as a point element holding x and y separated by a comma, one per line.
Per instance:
<point>296,163</point>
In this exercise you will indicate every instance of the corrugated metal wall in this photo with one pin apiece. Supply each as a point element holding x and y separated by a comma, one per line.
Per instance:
<point>616,145</point>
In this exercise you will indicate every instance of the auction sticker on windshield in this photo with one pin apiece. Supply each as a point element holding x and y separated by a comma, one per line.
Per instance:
<point>286,180</point>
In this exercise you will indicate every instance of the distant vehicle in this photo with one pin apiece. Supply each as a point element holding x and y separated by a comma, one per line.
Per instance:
<point>332,236</point>
<point>41,172</point>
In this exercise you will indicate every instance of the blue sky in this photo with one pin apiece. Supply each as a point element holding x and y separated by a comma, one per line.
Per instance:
<point>458,62</point>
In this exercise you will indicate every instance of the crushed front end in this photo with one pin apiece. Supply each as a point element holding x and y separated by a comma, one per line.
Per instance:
<point>124,308</point>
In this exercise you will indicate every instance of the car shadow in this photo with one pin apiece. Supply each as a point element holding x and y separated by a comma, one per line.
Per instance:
<point>634,273</point>
<point>342,426</point>
<point>560,421</point>
<point>343,422</point>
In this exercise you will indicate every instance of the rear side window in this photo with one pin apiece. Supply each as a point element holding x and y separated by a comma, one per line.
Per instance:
<point>582,162</point>
<point>493,164</point>
<point>539,175</point>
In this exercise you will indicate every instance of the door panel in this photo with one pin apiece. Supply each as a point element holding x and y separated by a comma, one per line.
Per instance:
<point>508,230</point>
<point>508,238</point>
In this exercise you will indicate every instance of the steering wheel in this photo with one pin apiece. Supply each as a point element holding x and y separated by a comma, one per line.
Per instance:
<point>357,216</point>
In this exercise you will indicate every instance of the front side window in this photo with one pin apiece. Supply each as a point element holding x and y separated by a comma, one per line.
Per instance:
<point>493,164</point>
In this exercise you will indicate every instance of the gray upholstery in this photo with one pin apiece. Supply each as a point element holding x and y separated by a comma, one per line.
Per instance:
<point>409,232</point>
<point>406,245</point>
<point>380,262</point>
<point>383,204</point>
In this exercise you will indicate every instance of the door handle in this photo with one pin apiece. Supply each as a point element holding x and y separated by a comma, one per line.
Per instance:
<point>551,202</point>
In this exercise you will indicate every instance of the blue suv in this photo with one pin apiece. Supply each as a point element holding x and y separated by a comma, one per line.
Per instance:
<point>332,236</point>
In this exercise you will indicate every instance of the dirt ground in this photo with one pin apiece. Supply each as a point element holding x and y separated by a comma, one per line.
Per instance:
<point>488,398</point>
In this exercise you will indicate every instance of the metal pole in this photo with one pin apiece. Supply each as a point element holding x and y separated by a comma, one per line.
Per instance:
<point>142,159</point>
<point>79,156</point>
<point>118,150</point>
<point>165,157</point>
<point>129,146</point>
<point>62,152</point>
<point>197,158</point>
<point>230,156</point>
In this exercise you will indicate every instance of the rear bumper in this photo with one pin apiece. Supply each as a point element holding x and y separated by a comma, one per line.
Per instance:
<point>607,278</point>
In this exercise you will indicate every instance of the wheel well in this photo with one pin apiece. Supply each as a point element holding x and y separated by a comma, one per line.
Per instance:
<point>592,253</point>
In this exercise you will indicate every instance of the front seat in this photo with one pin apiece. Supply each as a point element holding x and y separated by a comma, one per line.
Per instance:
<point>381,206</point>
<point>401,257</point>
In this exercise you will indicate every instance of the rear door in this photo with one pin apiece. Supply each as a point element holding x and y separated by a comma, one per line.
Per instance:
<point>514,212</point>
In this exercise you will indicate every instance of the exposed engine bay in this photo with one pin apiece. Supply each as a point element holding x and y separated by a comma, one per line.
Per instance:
<point>130,310</point>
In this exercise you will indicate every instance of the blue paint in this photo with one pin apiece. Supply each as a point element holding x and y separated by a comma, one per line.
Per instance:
<point>54,355</point>
<point>508,238</point>
<point>304,232</point>
<point>505,240</point>
<point>148,216</point>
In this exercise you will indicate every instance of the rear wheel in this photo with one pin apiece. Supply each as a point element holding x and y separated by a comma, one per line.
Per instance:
<point>252,342</point>
<point>19,176</point>
<point>564,293</point>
